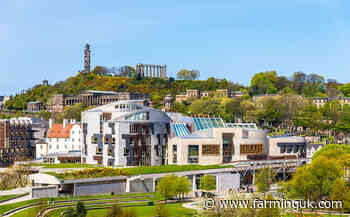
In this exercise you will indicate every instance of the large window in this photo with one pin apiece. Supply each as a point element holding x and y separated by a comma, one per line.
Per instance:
<point>252,149</point>
<point>193,153</point>
<point>210,150</point>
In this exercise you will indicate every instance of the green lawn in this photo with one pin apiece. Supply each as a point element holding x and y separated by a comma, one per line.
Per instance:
<point>9,196</point>
<point>64,165</point>
<point>8,207</point>
<point>142,211</point>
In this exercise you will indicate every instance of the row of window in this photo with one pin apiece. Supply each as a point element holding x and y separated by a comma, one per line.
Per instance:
<point>65,147</point>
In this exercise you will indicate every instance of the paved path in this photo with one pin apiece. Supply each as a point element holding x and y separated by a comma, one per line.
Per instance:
<point>15,191</point>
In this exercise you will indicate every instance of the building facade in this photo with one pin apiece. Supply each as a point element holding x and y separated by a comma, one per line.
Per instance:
<point>321,101</point>
<point>287,147</point>
<point>151,70</point>
<point>197,94</point>
<point>61,139</point>
<point>92,98</point>
<point>16,138</point>
<point>36,106</point>
<point>3,100</point>
<point>125,133</point>
<point>209,141</point>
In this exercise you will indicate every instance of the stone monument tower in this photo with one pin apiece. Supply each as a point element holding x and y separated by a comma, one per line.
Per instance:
<point>87,59</point>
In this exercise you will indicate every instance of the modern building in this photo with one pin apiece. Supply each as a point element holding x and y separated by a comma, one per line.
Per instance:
<point>151,70</point>
<point>125,133</point>
<point>287,147</point>
<point>92,98</point>
<point>61,139</point>
<point>209,141</point>
<point>16,138</point>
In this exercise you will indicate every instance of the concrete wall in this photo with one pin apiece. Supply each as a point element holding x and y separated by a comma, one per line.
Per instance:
<point>99,188</point>
<point>226,182</point>
<point>141,186</point>
<point>44,191</point>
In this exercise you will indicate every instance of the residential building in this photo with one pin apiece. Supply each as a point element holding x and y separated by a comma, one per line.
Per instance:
<point>16,137</point>
<point>321,101</point>
<point>125,133</point>
<point>197,94</point>
<point>92,98</point>
<point>61,139</point>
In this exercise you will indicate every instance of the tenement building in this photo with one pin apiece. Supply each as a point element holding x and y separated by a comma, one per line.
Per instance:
<point>151,70</point>
<point>125,133</point>
<point>15,140</point>
<point>92,98</point>
<point>197,94</point>
<point>35,106</point>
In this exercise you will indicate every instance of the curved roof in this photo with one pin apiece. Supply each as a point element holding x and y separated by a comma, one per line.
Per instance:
<point>42,178</point>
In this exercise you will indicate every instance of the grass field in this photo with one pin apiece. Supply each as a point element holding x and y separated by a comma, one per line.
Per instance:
<point>9,196</point>
<point>142,211</point>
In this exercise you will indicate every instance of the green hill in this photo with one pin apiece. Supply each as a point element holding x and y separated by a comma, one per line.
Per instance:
<point>156,87</point>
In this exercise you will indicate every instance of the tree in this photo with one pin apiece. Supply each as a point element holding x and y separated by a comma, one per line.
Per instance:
<point>183,186</point>
<point>171,185</point>
<point>341,191</point>
<point>345,89</point>
<point>264,178</point>
<point>167,186</point>
<point>117,211</point>
<point>264,83</point>
<point>186,74</point>
<point>207,182</point>
<point>315,180</point>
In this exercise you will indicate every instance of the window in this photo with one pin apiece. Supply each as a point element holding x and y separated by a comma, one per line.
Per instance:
<point>50,146</point>
<point>193,153</point>
<point>174,153</point>
<point>251,149</point>
<point>210,150</point>
<point>57,147</point>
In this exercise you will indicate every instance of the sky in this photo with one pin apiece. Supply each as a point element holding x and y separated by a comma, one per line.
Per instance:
<point>232,39</point>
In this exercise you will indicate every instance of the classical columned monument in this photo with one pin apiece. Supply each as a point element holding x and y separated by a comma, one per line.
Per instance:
<point>151,70</point>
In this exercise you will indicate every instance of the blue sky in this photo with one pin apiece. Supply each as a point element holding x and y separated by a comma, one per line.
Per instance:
<point>233,39</point>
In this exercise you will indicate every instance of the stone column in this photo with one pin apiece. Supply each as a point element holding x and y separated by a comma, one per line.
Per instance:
<point>154,184</point>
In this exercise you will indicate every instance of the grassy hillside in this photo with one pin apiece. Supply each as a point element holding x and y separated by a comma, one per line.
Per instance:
<point>157,88</point>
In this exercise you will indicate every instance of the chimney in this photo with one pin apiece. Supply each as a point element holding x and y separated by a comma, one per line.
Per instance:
<point>50,123</point>
<point>65,121</point>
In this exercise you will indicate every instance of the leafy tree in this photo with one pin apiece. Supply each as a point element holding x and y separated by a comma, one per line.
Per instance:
<point>172,185</point>
<point>185,74</point>
<point>345,89</point>
<point>341,191</point>
<point>207,182</point>
<point>315,180</point>
<point>264,178</point>
<point>264,82</point>
<point>167,186</point>
<point>269,211</point>
<point>183,186</point>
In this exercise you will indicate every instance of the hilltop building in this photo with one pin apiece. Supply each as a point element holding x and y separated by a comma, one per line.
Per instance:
<point>197,94</point>
<point>125,133</point>
<point>321,101</point>
<point>151,70</point>
<point>92,98</point>
<point>3,100</point>
<point>36,106</point>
